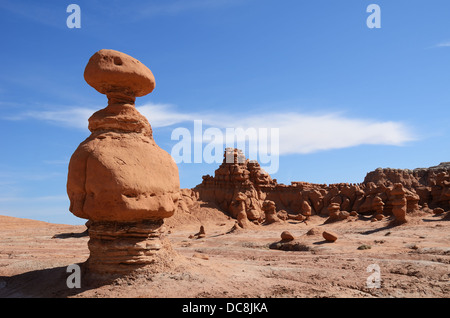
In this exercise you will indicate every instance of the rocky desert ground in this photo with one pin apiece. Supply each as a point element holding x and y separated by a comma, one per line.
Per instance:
<point>413,259</point>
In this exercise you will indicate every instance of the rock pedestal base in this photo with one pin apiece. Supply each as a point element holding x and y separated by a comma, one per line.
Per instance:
<point>117,247</point>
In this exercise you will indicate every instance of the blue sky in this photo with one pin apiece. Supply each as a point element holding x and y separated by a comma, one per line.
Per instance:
<point>347,99</point>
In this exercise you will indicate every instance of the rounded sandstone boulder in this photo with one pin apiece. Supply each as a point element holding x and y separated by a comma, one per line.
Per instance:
<point>329,236</point>
<point>108,181</point>
<point>287,236</point>
<point>438,211</point>
<point>112,71</point>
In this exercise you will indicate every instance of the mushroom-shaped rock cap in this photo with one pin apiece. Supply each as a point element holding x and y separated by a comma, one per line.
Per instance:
<point>111,71</point>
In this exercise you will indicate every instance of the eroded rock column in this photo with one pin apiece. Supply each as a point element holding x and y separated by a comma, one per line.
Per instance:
<point>119,178</point>
<point>399,203</point>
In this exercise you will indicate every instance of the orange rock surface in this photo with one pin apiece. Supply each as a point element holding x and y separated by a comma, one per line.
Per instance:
<point>119,178</point>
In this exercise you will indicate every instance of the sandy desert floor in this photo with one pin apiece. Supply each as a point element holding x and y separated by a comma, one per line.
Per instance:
<point>413,260</point>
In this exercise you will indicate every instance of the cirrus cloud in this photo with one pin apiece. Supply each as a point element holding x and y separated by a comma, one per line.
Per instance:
<point>299,133</point>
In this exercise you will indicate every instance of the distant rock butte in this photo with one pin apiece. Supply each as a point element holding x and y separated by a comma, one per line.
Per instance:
<point>118,177</point>
<point>241,187</point>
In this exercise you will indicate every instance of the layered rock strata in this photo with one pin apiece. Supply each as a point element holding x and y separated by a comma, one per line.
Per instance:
<point>240,187</point>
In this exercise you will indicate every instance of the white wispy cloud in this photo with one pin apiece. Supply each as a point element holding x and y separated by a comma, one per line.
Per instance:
<point>303,133</point>
<point>160,115</point>
<point>443,44</point>
<point>299,133</point>
<point>76,117</point>
<point>308,133</point>
<point>163,115</point>
<point>26,199</point>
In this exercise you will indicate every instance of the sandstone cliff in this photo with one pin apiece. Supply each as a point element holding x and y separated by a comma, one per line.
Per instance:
<point>242,189</point>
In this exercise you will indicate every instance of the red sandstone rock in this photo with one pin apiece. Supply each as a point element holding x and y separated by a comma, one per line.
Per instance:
<point>110,71</point>
<point>237,180</point>
<point>118,177</point>
<point>428,185</point>
<point>438,211</point>
<point>297,217</point>
<point>242,219</point>
<point>201,233</point>
<point>306,209</point>
<point>399,203</point>
<point>119,173</point>
<point>377,205</point>
<point>426,209</point>
<point>270,212</point>
<point>329,236</point>
<point>287,236</point>
<point>335,214</point>
<point>373,196</point>
<point>314,231</point>
<point>333,209</point>
<point>187,200</point>
<point>282,215</point>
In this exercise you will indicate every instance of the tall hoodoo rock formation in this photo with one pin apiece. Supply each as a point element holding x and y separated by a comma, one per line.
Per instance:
<point>399,203</point>
<point>118,177</point>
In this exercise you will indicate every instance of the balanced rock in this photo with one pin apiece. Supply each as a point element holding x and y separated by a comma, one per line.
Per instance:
<point>119,178</point>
